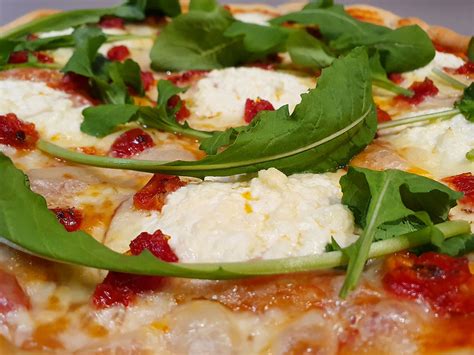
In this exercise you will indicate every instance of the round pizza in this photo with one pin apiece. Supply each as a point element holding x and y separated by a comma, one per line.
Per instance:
<point>192,178</point>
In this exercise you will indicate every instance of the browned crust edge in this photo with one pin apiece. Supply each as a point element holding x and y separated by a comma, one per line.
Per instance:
<point>442,36</point>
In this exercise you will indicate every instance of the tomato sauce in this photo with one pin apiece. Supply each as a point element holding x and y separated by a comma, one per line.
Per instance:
<point>186,77</point>
<point>131,143</point>
<point>422,90</point>
<point>17,133</point>
<point>465,184</point>
<point>253,107</point>
<point>118,53</point>
<point>70,218</point>
<point>183,111</point>
<point>382,116</point>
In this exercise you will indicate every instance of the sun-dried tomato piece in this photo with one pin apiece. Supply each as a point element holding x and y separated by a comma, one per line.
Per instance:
<point>186,77</point>
<point>43,57</point>
<point>112,22</point>
<point>118,53</point>
<point>12,295</point>
<point>147,79</point>
<point>465,69</point>
<point>422,90</point>
<point>121,288</point>
<point>131,143</point>
<point>152,196</point>
<point>442,281</point>
<point>382,116</point>
<point>183,111</point>
<point>20,57</point>
<point>465,184</point>
<point>17,133</point>
<point>396,78</point>
<point>252,107</point>
<point>156,243</point>
<point>70,218</point>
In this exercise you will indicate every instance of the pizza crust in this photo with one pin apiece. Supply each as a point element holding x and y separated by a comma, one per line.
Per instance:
<point>442,36</point>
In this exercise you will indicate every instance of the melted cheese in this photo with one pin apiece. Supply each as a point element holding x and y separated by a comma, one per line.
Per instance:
<point>439,147</point>
<point>271,216</point>
<point>217,101</point>
<point>257,18</point>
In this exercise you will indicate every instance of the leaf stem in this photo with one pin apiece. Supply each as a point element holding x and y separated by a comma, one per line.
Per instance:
<point>321,261</point>
<point>420,118</point>
<point>449,79</point>
<point>392,88</point>
<point>31,65</point>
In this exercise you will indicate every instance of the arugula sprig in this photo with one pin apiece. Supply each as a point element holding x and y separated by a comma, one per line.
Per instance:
<point>333,122</point>
<point>130,10</point>
<point>102,120</point>
<point>390,201</point>
<point>53,242</point>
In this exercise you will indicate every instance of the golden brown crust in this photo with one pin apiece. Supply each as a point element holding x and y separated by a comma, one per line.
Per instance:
<point>441,36</point>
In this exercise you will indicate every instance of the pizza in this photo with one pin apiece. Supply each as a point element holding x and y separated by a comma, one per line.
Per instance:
<point>191,178</point>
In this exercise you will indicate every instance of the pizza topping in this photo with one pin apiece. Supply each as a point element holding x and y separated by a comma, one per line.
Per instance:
<point>187,77</point>
<point>70,218</point>
<point>12,295</point>
<point>466,69</point>
<point>121,288</point>
<point>131,143</point>
<point>465,184</point>
<point>252,107</point>
<point>118,53</point>
<point>183,111</point>
<point>397,78</point>
<point>148,80</point>
<point>112,22</point>
<point>422,90</point>
<point>152,196</point>
<point>444,282</point>
<point>20,57</point>
<point>17,133</point>
<point>382,116</point>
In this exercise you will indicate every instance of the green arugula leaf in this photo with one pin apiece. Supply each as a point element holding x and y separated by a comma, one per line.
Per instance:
<point>131,10</point>
<point>6,47</point>
<point>377,198</point>
<point>102,120</point>
<point>333,122</point>
<point>87,43</point>
<point>470,155</point>
<point>401,50</point>
<point>127,73</point>
<point>456,246</point>
<point>41,234</point>
<point>203,5</point>
<point>258,39</point>
<point>318,4</point>
<point>380,79</point>
<point>466,104</point>
<point>470,50</point>
<point>308,51</point>
<point>196,40</point>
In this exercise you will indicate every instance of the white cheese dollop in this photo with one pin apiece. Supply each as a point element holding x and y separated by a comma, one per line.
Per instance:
<point>439,147</point>
<point>257,18</point>
<point>217,101</point>
<point>54,114</point>
<point>271,216</point>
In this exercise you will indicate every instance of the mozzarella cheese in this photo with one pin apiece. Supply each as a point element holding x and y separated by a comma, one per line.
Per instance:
<point>440,61</point>
<point>439,147</point>
<point>257,18</point>
<point>217,101</point>
<point>271,216</point>
<point>52,111</point>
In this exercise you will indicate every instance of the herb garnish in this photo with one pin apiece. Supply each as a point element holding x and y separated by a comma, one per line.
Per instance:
<point>52,241</point>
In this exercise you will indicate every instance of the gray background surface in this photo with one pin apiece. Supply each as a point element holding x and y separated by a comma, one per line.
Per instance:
<point>455,14</point>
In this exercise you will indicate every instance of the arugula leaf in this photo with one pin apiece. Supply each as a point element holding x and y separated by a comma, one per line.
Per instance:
<point>333,122</point>
<point>87,42</point>
<point>318,4</point>
<point>41,234</point>
<point>470,50</point>
<point>377,198</point>
<point>401,50</point>
<point>379,77</point>
<point>131,10</point>
<point>470,155</point>
<point>6,47</point>
<point>258,39</point>
<point>196,40</point>
<point>203,5</point>
<point>102,120</point>
<point>456,246</point>
<point>308,51</point>
<point>466,104</point>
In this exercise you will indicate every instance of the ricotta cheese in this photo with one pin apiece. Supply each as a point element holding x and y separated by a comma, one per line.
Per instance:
<point>270,216</point>
<point>257,18</point>
<point>439,147</point>
<point>217,101</point>
<point>52,111</point>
